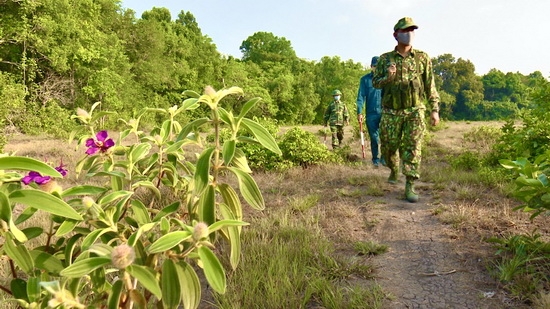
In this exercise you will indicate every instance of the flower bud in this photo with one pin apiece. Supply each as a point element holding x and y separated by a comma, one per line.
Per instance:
<point>123,256</point>
<point>210,91</point>
<point>200,231</point>
<point>88,201</point>
<point>83,114</point>
<point>51,187</point>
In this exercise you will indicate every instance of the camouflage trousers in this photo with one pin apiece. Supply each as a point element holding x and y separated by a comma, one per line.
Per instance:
<point>337,132</point>
<point>401,134</point>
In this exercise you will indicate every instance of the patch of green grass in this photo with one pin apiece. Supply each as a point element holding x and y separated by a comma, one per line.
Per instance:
<point>369,248</point>
<point>304,203</point>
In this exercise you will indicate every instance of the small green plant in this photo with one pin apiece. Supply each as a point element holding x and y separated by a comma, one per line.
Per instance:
<point>105,246</point>
<point>302,148</point>
<point>369,248</point>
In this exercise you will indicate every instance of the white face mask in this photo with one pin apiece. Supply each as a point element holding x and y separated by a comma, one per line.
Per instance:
<point>336,97</point>
<point>405,38</point>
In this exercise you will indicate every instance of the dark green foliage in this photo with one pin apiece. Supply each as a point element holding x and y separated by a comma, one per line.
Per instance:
<point>304,149</point>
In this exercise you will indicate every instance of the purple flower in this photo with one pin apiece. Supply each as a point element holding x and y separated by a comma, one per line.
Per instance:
<point>35,177</point>
<point>100,142</point>
<point>42,180</point>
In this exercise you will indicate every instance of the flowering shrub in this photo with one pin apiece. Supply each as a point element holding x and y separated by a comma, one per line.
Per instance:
<point>108,247</point>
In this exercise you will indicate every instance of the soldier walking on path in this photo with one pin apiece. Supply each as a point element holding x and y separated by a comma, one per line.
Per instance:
<point>336,116</point>
<point>406,78</point>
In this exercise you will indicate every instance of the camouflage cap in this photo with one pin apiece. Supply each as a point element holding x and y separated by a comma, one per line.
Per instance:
<point>404,23</point>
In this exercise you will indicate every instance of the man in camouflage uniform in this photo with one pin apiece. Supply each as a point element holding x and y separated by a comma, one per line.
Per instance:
<point>406,78</point>
<point>336,116</point>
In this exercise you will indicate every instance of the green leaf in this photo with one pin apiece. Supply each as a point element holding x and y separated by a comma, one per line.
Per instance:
<point>170,209</point>
<point>227,117</point>
<point>248,106</point>
<point>189,104</point>
<point>19,289</point>
<point>233,233</point>
<point>28,164</point>
<point>149,185</point>
<point>171,290</point>
<point>249,189</point>
<point>226,223</point>
<point>70,247</point>
<point>144,228</point>
<point>113,196</point>
<point>5,207</point>
<point>240,161</point>
<point>19,254</point>
<point>85,266</point>
<point>33,289</point>
<point>92,237</point>
<point>228,151</point>
<point>26,214</point>
<point>190,127</point>
<point>141,214</point>
<point>33,232</point>
<point>138,152</point>
<point>46,262</point>
<point>168,241</point>
<point>175,147</point>
<point>232,200</point>
<point>16,232</point>
<point>83,190</point>
<point>46,202</point>
<point>202,172</point>
<point>262,135</point>
<point>207,206</point>
<point>66,227</point>
<point>190,285</point>
<point>114,296</point>
<point>147,277</point>
<point>213,270</point>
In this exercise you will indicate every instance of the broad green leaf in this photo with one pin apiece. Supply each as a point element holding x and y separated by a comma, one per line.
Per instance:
<point>231,90</point>
<point>191,93</point>
<point>138,152</point>
<point>228,118</point>
<point>147,277</point>
<point>164,225</point>
<point>231,199</point>
<point>101,249</point>
<point>19,289</point>
<point>5,207</point>
<point>28,164</point>
<point>228,151</point>
<point>33,289</point>
<point>144,228</point>
<point>174,147</point>
<point>202,172</point>
<point>46,202</point>
<point>113,196</point>
<point>233,233</point>
<point>85,266</point>
<point>248,106</point>
<point>165,130</point>
<point>170,209</point>
<point>19,254</point>
<point>171,290</point>
<point>17,233</point>
<point>46,262</point>
<point>509,164</point>
<point>207,206</point>
<point>249,189</point>
<point>226,223</point>
<point>168,241</point>
<point>240,161</point>
<point>114,296</point>
<point>213,270</point>
<point>189,104</point>
<point>26,214</point>
<point>83,190</point>
<point>141,214</point>
<point>190,285</point>
<point>190,127</point>
<point>32,232</point>
<point>66,227</point>
<point>92,237</point>
<point>70,247</point>
<point>108,173</point>
<point>149,185</point>
<point>262,135</point>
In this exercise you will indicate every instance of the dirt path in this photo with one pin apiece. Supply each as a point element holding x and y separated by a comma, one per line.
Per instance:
<point>425,267</point>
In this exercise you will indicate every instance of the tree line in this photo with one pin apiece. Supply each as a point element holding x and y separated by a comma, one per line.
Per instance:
<point>59,55</point>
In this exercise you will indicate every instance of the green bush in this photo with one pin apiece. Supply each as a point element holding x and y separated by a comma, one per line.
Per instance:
<point>302,148</point>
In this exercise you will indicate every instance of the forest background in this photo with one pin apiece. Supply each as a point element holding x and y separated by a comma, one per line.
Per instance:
<point>56,57</point>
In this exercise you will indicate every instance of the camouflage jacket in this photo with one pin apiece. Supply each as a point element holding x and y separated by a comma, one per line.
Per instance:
<point>337,113</point>
<point>411,86</point>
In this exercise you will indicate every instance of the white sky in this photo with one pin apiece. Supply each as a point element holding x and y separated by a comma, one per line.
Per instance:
<point>507,35</point>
